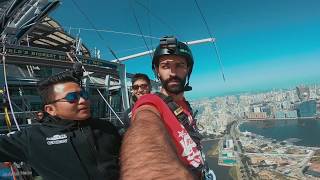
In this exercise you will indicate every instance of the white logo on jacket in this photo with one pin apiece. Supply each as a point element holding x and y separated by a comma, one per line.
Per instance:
<point>57,139</point>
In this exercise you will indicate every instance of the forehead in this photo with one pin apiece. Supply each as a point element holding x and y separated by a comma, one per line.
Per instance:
<point>172,59</point>
<point>61,89</point>
<point>140,81</point>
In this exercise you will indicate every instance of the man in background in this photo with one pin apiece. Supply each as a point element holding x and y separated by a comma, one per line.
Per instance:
<point>141,85</point>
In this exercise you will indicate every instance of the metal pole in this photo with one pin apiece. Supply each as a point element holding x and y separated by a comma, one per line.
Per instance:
<point>124,88</point>
<point>151,51</point>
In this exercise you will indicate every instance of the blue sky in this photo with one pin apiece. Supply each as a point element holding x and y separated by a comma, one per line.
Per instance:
<point>262,44</point>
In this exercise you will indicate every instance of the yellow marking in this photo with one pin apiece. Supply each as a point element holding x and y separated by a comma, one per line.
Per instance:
<point>7,118</point>
<point>178,111</point>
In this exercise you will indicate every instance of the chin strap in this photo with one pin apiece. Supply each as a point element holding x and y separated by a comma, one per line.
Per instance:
<point>187,87</point>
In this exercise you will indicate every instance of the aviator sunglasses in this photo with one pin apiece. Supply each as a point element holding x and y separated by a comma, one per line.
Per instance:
<point>142,86</point>
<point>73,97</point>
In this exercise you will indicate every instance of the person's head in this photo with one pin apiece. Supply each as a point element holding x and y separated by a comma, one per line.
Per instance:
<point>63,97</point>
<point>141,85</point>
<point>172,63</point>
<point>39,116</point>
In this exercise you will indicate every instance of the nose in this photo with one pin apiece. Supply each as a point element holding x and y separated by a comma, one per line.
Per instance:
<point>82,100</point>
<point>173,72</point>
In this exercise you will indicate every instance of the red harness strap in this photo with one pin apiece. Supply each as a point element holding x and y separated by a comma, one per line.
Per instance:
<point>187,148</point>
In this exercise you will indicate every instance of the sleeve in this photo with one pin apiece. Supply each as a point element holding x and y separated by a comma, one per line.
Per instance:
<point>149,100</point>
<point>13,146</point>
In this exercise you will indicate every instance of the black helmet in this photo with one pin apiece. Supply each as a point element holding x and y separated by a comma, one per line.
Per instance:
<point>169,45</point>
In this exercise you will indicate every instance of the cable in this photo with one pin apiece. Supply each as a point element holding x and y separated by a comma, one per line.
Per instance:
<point>116,32</point>
<point>131,49</point>
<point>6,82</point>
<point>213,43</point>
<point>94,27</point>
<point>100,93</point>
<point>149,24</point>
<point>24,102</point>
<point>139,27</point>
<point>21,110</point>
<point>158,18</point>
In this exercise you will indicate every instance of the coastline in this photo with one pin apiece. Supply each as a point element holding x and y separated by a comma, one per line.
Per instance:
<point>211,148</point>
<point>296,141</point>
<point>280,145</point>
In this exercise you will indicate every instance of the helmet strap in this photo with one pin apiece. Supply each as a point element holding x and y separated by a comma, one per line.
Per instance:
<point>187,87</point>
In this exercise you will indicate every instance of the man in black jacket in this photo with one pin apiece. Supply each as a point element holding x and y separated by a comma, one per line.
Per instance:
<point>68,144</point>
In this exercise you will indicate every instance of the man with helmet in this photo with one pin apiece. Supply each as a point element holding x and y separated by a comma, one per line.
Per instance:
<point>163,141</point>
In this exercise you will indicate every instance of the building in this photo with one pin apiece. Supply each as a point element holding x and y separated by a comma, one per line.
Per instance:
<point>285,114</point>
<point>256,115</point>
<point>279,115</point>
<point>267,110</point>
<point>307,109</point>
<point>303,93</point>
<point>36,47</point>
<point>228,144</point>
<point>314,170</point>
<point>291,114</point>
<point>256,109</point>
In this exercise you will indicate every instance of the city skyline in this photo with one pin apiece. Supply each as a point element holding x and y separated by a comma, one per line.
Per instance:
<point>267,135</point>
<point>263,45</point>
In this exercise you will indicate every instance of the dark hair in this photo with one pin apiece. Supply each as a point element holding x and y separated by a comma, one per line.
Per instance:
<point>45,87</point>
<point>141,76</point>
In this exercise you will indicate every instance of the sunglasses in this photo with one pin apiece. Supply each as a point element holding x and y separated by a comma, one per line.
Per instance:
<point>142,86</point>
<point>73,97</point>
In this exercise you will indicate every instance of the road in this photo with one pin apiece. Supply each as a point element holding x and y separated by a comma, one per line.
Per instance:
<point>234,134</point>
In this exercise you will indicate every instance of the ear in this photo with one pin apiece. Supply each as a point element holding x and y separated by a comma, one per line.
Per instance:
<point>50,109</point>
<point>189,68</point>
<point>156,72</point>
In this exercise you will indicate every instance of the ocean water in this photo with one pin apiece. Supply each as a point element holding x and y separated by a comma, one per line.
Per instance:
<point>303,132</point>
<point>221,172</point>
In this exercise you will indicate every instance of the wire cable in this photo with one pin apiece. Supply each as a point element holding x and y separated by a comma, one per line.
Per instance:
<point>213,43</point>
<point>6,82</point>
<point>94,27</point>
<point>100,92</point>
<point>158,18</point>
<point>139,27</point>
<point>115,32</point>
<point>149,25</point>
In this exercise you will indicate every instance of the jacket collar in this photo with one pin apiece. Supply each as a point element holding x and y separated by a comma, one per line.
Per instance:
<point>59,122</point>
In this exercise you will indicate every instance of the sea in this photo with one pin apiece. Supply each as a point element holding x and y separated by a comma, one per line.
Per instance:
<point>302,132</point>
<point>221,172</point>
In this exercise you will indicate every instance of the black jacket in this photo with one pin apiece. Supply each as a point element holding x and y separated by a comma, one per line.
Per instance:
<point>66,149</point>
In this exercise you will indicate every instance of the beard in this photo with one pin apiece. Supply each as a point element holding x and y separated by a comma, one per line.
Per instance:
<point>176,88</point>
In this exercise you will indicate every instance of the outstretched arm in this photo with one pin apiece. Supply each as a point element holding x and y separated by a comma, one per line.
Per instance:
<point>148,152</point>
<point>13,147</point>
